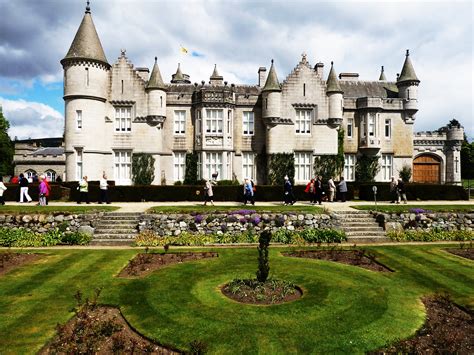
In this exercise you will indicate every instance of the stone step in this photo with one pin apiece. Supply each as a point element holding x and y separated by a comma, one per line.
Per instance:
<point>360,224</point>
<point>115,231</point>
<point>128,236</point>
<point>362,228</point>
<point>122,214</point>
<point>367,239</point>
<point>116,218</point>
<point>111,242</point>
<point>112,224</point>
<point>350,220</point>
<point>343,213</point>
<point>366,233</point>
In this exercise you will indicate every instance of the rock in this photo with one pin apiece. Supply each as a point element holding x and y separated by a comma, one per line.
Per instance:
<point>182,224</point>
<point>177,232</point>
<point>68,218</point>
<point>393,227</point>
<point>300,217</point>
<point>41,218</point>
<point>2,219</point>
<point>309,216</point>
<point>412,216</point>
<point>291,228</point>
<point>50,219</point>
<point>86,230</point>
<point>26,219</point>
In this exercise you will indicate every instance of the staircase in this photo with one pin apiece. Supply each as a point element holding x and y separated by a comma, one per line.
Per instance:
<point>116,228</point>
<point>361,227</point>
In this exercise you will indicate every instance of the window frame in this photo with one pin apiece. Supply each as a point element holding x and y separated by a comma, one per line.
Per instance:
<point>306,121</point>
<point>79,121</point>
<point>248,120</point>
<point>179,166</point>
<point>350,161</point>
<point>179,122</point>
<point>386,166</point>
<point>303,162</point>
<point>350,123</point>
<point>248,165</point>
<point>79,163</point>
<point>123,166</point>
<point>212,164</point>
<point>123,124</point>
<point>388,125</point>
<point>214,125</point>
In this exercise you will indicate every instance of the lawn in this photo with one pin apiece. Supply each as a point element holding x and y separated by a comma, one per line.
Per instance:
<point>400,208</point>
<point>15,209</point>
<point>216,209</point>
<point>344,309</point>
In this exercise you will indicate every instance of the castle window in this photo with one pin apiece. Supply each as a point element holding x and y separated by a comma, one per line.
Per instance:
<point>388,128</point>
<point>87,76</point>
<point>371,124</point>
<point>50,175</point>
<point>161,101</point>
<point>214,120</point>
<point>387,166</point>
<point>78,119</point>
<point>304,89</point>
<point>122,166</point>
<point>248,165</point>
<point>212,165</point>
<point>350,127</point>
<point>248,123</point>
<point>179,122</point>
<point>122,86</point>
<point>303,121</point>
<point>198,122</point>
<point>349,167</point>
<point>79,174</point>
<point>363,126</point>
<point>229,122</point>
<point>30,174</point>
<point>179,166</point>
<point>123,119</point>
<point>303,164</point>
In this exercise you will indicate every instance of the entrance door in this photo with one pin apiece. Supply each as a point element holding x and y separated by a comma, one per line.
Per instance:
<point>427,169</point>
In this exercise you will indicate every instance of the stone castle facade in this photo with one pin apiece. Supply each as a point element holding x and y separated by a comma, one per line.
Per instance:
<point>113,111</point>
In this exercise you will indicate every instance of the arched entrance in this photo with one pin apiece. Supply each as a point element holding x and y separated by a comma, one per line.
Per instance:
<point>427,169</point>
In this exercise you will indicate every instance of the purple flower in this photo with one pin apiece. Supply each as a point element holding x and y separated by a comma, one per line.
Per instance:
<point>242,212</point>
<point>198,218</point>
<point>255,220</point>
<point>418,210</point>
<point>243,220</point>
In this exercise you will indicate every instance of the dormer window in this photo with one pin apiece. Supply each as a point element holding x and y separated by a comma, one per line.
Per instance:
<point>303,121</point>
<point>123,119</point>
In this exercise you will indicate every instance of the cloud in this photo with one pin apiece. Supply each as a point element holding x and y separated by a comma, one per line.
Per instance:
<point>240,36</point>
<point>32,119</point>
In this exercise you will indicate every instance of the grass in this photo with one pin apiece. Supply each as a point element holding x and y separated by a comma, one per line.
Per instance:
<point>399,208</point>
<point>52,209</point>
<point>216,209</point>
<point>344,309</point>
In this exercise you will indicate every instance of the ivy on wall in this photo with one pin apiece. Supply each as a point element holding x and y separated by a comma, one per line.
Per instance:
<point>331,166</point>
<point>143,169</point>
<point>366,167</point>
<point>191,172</point>
<point>281,164</point>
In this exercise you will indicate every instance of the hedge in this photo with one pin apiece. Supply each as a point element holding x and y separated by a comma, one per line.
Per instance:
<point>414,191</point>
<point>13,192</point>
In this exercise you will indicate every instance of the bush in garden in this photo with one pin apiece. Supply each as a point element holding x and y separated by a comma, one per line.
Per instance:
<point>263,264</point>
<point>430,235</point>
<point>21,237</point>
<point>76,238</point>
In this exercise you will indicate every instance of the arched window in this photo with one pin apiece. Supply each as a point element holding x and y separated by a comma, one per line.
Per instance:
<point>50,175</point>
<point>29,174</point>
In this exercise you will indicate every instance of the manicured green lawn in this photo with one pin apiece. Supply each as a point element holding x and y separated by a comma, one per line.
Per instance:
<point>406,208</point>
<point>52,209</point>
<point>345,309</point>
<point>215,209</point>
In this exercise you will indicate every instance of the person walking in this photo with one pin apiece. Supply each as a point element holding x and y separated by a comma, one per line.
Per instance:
<point>48,188</point>
<point>401,192</point>
<point>289,198</point>
<point>104,187</point>
<point>24,189</point>
<point>343,189</point>
<point>248,192</point>
<point>332,189</point>
<point>393,190</point>
<point>208,193</point>
<point>310,191</point>
<point>43,190</point>
<point>319,190</point>
<point>83,190</point>
<point>3,188</point>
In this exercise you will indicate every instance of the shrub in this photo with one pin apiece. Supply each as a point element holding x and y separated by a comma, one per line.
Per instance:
<point>191,171</point>
<point>281,164</point>
<point>414,191</point>
<point>21,237</point>
<point>263,264</point>
<point>405,173</point>
<point>76,238</point>
<point>430,235</point>
<point>143,168</point>
<point>366,168</point>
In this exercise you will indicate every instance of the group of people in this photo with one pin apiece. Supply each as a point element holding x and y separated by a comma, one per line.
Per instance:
<point>316,190</point>
<point>44,189</point>
<point>83,188</point>
<point>397,190</point>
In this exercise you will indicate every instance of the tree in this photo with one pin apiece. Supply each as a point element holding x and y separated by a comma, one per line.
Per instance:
<point>467,159</point>
<point>143,169</point>
<point>263,265</point>
<point>281,164</point>
<point>366,168</point>
<point>6,147</point>
<point>191,173</point>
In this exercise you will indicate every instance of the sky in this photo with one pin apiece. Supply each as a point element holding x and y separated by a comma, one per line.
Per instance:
<point>239,36</point>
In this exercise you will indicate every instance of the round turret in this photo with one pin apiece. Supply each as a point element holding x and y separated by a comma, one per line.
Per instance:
<point>407,84</point>
<point>271,95</point>
<point>335,97</point>
<point>156,94</point>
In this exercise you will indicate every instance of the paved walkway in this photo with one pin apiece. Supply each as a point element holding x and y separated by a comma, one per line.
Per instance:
<point>335,206</point>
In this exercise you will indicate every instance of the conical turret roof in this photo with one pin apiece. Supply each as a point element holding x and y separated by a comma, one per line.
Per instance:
<point>156,81</point>
<point>333,82</point>
<point>382,75</point>
<point>215,73</point>
<point>86,43</point>
<point>408,73</point>
<point>272,83</point>
<point>179,73</point>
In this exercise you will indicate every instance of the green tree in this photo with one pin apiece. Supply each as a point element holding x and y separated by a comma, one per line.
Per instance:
<point>6,147</point>
<point>263,264</point>
<point>143,169</point>
<point>191,172</point>
<point>281,164</point>
<point>467,159</point>
<point>367,166</point>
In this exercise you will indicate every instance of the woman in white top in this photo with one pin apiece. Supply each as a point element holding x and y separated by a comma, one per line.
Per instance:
<point>2,189</point>
<point>332,189</point>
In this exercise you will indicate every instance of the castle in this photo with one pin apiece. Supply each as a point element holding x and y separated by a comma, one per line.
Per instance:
<point>113,111</point>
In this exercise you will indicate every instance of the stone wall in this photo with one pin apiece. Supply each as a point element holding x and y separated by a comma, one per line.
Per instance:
<point>425,221</point>
<point>174,224</point>
<point>42,223</point>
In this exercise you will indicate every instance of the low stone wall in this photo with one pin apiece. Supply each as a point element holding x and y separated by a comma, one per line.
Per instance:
<point>425,221</point>
<point>174,224</point>
<point>42,223</point>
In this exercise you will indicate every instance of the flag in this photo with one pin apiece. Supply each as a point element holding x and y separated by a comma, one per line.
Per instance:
<point>183,50</point>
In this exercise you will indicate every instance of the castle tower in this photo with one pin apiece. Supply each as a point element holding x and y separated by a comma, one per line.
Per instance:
<point>179,77</point>
<point>382,75</point>
<point>156,95</point>
<point>271,94</point>
<point>407,84</point>
<point>334,93</point>
<point>86,88</point>
<point>454,139</point>
<point>215,78</point>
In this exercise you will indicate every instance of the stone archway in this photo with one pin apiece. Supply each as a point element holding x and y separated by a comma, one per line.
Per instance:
<point>427,169</point>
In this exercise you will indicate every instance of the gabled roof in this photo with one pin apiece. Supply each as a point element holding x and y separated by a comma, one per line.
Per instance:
<point>86,43</point>
<point>382,75</point>
<point>49,151</point>
<point>272,83</point>
<point>356,89</point>
<point>156,81</point>
<point>333,82</point>
<point>408,73</point>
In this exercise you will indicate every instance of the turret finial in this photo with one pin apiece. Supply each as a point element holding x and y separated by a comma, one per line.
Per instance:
<point>408,52</point>
<point>382,69</point>
<point>88,8</point>
<point>156,59</point>
<point>272,61</point>
<point>332,63</point>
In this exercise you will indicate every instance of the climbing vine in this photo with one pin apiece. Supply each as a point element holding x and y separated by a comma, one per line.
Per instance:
<point>191,172</point>
<point>366,168</point>
<point>330,166</point>
<point>281,164</point>
<point>143,169</point>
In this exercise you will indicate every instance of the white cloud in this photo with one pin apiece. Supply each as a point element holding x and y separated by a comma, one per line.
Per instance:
<point>32,119</point>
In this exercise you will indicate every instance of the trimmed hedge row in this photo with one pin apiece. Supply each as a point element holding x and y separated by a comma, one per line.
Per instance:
<point>13,192</point>
<point>414,191</point>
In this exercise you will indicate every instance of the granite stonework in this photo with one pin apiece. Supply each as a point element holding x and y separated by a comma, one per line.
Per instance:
<point>42,223</point>
<point>425,221</point>
<point>174,224</point>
